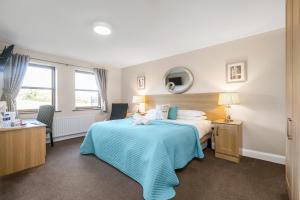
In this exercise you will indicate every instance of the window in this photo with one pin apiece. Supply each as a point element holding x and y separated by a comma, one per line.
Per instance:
<point>86,90</point>
<point>38,88</point>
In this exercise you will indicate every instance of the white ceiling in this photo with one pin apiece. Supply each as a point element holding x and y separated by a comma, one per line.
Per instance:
<point>143,30</point>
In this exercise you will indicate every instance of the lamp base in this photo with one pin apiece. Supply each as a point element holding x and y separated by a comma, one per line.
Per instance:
<point>228,116</point>
<point>228,119</point>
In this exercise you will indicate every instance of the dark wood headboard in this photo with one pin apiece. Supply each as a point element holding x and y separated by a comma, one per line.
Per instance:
<point>206,102</point>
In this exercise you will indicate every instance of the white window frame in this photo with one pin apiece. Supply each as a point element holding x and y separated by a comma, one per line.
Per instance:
<point>85,90</point>
<point>52,88</point>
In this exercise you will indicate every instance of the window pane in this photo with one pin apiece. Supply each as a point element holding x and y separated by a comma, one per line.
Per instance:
<point>33,98</point>
<point>38,77</point>
<point>86,98</point>
<point>85,81</point>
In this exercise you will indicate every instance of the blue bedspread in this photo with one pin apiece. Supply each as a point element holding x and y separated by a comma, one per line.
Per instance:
<point>147,153</point>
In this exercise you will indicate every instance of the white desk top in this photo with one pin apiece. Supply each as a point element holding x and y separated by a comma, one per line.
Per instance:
<point>29,124</point>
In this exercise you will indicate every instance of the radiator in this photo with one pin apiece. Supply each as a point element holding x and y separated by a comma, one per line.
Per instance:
<point>64,126</point>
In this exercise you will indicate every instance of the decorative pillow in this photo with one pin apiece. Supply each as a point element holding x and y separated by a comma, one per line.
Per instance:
<point>162,111</point>
<point>173,112</point>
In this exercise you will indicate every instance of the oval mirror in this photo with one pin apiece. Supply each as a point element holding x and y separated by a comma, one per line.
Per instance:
<point>178,80</point>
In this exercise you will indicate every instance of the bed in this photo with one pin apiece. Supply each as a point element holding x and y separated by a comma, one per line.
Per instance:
<point>149,154</point>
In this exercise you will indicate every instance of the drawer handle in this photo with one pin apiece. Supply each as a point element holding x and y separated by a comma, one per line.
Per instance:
<point>217,131</point>
<point>289,126</point>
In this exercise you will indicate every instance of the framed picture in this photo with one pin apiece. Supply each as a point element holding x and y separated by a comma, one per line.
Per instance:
<point>236,72</point>
<point>141,82</point>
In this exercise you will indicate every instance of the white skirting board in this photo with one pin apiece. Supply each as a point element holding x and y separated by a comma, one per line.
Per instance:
<point>263,156</point>
<point>56,139</point>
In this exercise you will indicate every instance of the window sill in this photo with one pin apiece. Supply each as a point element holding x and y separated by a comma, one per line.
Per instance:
<point>85,109</point>
<point>22,112</point>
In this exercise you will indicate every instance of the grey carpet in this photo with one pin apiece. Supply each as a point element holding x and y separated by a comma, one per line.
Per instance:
<point>67,175</point>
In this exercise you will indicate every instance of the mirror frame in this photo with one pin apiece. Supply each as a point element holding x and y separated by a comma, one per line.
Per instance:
<point>190,83</point>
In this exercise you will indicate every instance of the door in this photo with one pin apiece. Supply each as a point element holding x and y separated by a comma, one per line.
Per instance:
<point>293,96</point>
<point>296,99</point>
<point>289,94</point>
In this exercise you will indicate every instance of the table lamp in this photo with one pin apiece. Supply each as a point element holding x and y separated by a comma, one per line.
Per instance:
<point>138,100</point>
<point>227,99</point>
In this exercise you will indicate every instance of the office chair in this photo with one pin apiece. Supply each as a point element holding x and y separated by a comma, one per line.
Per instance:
<point>45,115</point>
<point>118,111</point>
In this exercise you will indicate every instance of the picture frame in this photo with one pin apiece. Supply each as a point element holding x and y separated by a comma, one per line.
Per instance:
<point>141,82</point>
<point>236,72</point>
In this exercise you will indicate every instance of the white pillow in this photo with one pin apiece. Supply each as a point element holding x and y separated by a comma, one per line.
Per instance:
<point>190,113</point>
<point>151,111</point>
<point>192,118</point>
<point>151,115</point>
<point>162,111</point>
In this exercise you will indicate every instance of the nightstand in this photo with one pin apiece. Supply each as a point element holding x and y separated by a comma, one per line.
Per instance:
<point>227,136</point>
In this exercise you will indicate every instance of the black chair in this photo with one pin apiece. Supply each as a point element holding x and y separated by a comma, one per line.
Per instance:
<point>45,115</point>
<point>118,111</point>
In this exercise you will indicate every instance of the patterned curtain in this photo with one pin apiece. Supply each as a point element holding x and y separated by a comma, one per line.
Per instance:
<point>14,72</point>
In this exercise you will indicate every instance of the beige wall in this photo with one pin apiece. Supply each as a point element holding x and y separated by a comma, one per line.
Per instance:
<point>65,83</point>
<point>262,97</point>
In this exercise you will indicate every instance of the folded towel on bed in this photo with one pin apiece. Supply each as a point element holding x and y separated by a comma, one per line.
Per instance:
<point>140,120</point>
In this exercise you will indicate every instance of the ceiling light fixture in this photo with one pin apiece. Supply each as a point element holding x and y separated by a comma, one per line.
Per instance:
<point>102,28</point>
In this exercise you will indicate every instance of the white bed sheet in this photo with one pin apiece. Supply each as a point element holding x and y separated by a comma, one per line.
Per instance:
<point>203,126</point>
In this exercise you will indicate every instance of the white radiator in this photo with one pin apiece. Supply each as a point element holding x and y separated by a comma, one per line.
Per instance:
<point>64,126</point>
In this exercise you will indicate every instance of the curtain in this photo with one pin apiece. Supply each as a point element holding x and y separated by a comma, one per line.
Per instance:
<point>14,72</point>
<point>100,75</point>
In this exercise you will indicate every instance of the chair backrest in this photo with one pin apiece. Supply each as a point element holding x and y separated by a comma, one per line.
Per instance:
<point>45,115</point>
<point>118,111</point>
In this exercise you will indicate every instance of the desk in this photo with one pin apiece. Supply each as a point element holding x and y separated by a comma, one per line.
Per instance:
<point>22,147</point>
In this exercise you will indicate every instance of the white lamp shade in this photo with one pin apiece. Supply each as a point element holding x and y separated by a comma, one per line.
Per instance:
<point>138,99</point>
<point>229,98</point>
